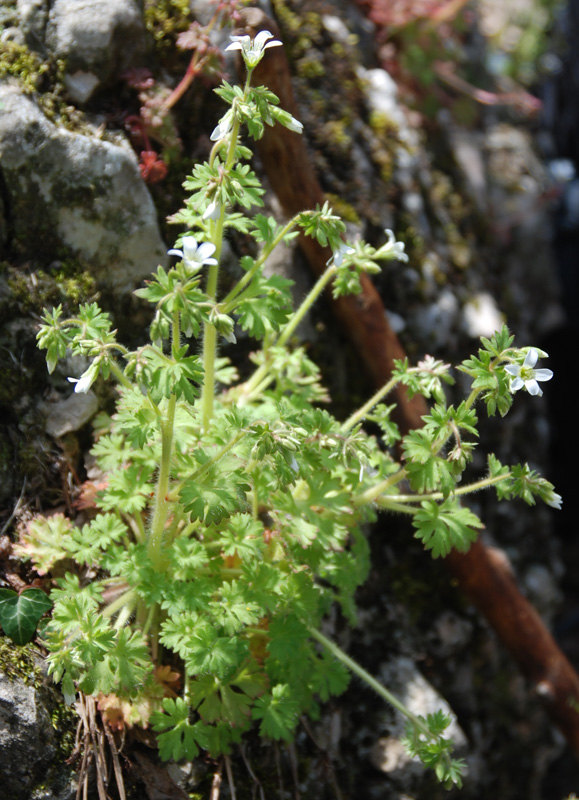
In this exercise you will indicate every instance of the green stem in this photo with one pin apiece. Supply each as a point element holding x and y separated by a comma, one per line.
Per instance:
<point>371,494</point>
<point>161,503</point>
<point>209,330</point>
<point>370,681</point>
<point>261,374</point>
<point>484,483</point>
<point>361,413</point>
<point>307,303</point>
<point>230,301</point>
<point>218,456</point>
<point>120,375</point>
<point>124,599</point>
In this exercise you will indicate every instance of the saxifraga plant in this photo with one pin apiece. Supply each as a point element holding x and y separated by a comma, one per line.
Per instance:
<point>231,517</point>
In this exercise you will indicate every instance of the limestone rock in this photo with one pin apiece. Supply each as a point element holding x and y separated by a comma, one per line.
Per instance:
<point>26,738</point>
<point>73,193</point>
<point>98,39</point>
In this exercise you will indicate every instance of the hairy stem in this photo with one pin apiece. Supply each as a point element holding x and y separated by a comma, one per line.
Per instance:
<point>370,681</point>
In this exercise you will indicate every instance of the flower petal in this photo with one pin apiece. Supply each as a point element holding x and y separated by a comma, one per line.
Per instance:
<point>531,358</point>
<point>554,500</point>
<point>213,211</point>
<point>543,374</point>
<point>261,39</point>
<point>82,384</point>
<point>533,387</point>
<point>175,253</point>
<point>190,248</point>
<point>205,251</point>
<point>516,384</point>
<point>513,369</point>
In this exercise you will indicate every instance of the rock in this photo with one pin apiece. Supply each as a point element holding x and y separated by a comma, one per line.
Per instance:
<point>27,744</point>
<point>71,414</point>
<point>73,193</point>
<point>33,16</point>
<point>402,677</point>
<point>98,39</point>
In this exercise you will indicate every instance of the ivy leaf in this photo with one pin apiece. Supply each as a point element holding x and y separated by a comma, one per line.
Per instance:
<point>20,614</point>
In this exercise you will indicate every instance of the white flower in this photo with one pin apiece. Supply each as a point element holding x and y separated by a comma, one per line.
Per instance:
<point>525,375</point>
<point>252,49</point>
<point>342,250</point>
<point>213,210</point>
<point>195,255</point>
<point>554,500</point>
<point>223,127</point>
<point>392,250</point>
<point>294,125</point>
<point>86,380</point>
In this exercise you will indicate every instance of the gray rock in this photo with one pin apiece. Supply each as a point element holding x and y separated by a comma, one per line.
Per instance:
<point>72,193</point>
<point>33,15</point>
<point>26,738</point>
<point>71,414</point>
<point>388,754</point>
<point>102,38</point>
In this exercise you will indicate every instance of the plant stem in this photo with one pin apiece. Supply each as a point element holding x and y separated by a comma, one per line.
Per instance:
<point>229,302</point>
<point>361,413</point>
<point>371,681</point>
<point>161,503</point>
<point>120,375</point>
<point>261,374</point>
<point>484,483</point>
<point>371,494</point>
<point>209,330</point>
<point>307,303</point>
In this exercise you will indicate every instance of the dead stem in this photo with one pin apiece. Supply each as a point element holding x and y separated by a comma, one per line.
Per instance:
<point>251,772</point>
<point>216,784</point>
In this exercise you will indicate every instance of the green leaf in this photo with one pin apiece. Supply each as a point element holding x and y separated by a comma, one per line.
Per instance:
<point>427,470</point>
<point>265,306</point>
<point>442,527</point>
<point>45,541</point>
<point>278,713</point>
<point>208,652</point>
<point>20,614</point>
<point>179,738</point>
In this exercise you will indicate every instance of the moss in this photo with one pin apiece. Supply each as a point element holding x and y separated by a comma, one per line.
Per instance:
<point>22,663</point>
<point>17,61</point>
<point>19,662</point>
<point>310,68</point>
<point>165,19</point>
<point>70,284</point>
<point>64,721</point>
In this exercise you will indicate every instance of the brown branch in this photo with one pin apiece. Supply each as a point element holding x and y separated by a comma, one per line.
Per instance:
<point>482,573</point>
